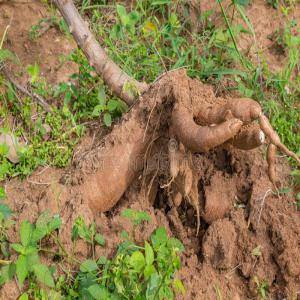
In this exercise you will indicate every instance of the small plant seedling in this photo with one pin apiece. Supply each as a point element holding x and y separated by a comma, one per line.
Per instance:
<point>27,263</point>
<point>262,287</point>
<point>137,217</point>
<point>87,233</point>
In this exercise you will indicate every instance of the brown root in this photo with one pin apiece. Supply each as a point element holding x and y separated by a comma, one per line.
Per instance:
<point>249,137</point>
<point>274,138</point>
<point>202,139</point>
<point>271,159</point>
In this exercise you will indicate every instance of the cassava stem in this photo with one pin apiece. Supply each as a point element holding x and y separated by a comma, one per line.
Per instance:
<point>121,84</point>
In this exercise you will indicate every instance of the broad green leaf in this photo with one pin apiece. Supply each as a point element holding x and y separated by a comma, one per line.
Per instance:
<point>23,297</point>
<point>137,261</point>
<point>4,150</point>
<point>101,97</point>
<point>34,72</point>
<point>102,260</point>
<point>121,10</point>
<point>97,110</point>
<point>2,192</point>
<point>149,254</point>
<point>54,224</point>
<point>32,260</point>
<point>148,271</point>
<point>159,237</point>
<point>165,292</point>
<point>88,266</point>
<point>178,285</point>
<point>43,275</point>
<point>38,234</point>
<point>21,268</point>
<point>112,105</point>
<point>8,271</point>
<point>107,119</point>
<point>98,292</point>
<point>19,248</point>
<point>25,233</point>
<point>141,216</point>
<point>176,244</point>
<point>99,238</point>
<point>5,210</point>
<point>153,285</point>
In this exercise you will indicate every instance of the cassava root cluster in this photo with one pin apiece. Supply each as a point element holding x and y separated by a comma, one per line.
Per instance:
<point>176,107</point>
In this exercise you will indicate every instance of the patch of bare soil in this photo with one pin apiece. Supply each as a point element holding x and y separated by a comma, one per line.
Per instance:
<point>47,50</point>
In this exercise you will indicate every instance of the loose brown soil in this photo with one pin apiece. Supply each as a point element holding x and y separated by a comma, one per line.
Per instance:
<point>242,213</point>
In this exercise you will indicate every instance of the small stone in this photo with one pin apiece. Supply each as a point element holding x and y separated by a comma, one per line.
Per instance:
<point>13,146</point>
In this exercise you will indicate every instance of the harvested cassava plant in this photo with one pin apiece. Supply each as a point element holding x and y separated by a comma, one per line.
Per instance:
<point>175,107</point>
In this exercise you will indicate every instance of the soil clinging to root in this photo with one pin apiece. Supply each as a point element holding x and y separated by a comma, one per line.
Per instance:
<point>239,213</point>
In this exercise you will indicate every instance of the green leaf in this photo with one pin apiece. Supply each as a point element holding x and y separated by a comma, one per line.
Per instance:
<point>23,297</point>
<point>54,224</point>
<point>176,244</point>
<point>8,271</point>
<point>137,261</point>
<point>149,254</point>
<point>99,238</point>
<point>98,292</point>
<point>7,55</point>
<point>148,271</point>
<point>101,97</point>
<point>112,105</point>
<point>121,10</point>
<point>25,233</point>
<point>97,110</point>
<point>159,237</point>
<point>32,260</point>
<point>128,213</point>
<point>21,268</point>
<point>4,150</point>
<point>102,260</point>
<point>5,210</point>
<point>88,266</point>
<point>2,192</point>
<point>43,275</point>
<point>18,248</point>
<point>153,285</point>
<point>107,119</point>
<point>34,72</point>
<point>141,216</point>
<point>178,285</point>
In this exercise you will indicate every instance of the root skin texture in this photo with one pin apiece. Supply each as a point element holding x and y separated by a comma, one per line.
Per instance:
<point>187,113</point>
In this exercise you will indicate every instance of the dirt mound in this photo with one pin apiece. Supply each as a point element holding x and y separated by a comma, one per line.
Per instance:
<point>256,236</point>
